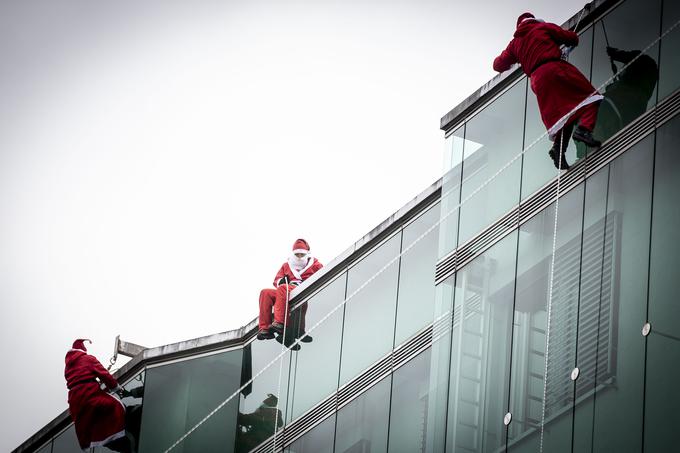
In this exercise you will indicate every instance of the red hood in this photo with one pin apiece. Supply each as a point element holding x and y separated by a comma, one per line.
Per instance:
<point>525,27</point>
<point>73,354</point>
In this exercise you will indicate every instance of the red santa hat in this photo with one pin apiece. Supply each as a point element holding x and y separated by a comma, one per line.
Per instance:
<point>300,246</point>
<point>80,344</point>
<point>524,16</point>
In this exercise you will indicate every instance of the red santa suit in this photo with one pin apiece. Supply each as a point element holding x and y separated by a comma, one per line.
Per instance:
<point>99,417</point>
<point>559,86</point>
<point>295,271</point>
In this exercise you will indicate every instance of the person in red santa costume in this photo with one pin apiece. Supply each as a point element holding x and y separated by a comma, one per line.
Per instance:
<point>559,86</point>
<point>300,266</point>
<point>98,416</point>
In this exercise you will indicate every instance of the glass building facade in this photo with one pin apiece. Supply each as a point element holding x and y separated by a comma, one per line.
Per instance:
<point>504,309</point>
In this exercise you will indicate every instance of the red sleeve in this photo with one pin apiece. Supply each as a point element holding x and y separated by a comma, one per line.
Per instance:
<point>316,266</point>
<point>562,36</point>
<point>505,60</point>
<point>279,275</point>
<point>101,373</point>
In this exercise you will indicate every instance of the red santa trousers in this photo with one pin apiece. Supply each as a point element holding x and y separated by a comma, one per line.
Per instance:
<point>559,88</point>
<point>98,416</point>
<point>276,298</point>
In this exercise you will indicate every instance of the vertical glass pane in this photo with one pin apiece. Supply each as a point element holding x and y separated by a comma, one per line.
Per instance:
<point>620,346</point>
<point>480,357</point>
<point>309,385</point>
<point>662,417</point>
<point>369,315</point>
<point>438,394</point>
<point>133,395</point>
<point>538,167</point>
<point>408,414</point>
<point>492,138</point>
<point>66,442</point>
<point>533,300</point>
<point>415,304</point>
<point>451,182</point>
<point>663,348</point>
<point>633,90</point>
<point>179,395</point>
<point>594,304</point>
<point>669,78</point>
<point>318,440</point>
<point>362,424</point>
<point>263,403</point>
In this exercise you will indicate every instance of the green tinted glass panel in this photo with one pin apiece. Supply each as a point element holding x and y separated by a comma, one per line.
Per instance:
<point>318,440</point>
<point>480,356</point>
<point>415,304</point>
<point>263,403</point>
<point>664,309</point>
<point>309,384</point>
<point>633,90</point>
<point>594,304</point>
<point>369,315</point>
<point>662,398</point>
<point>362,424</point>
<point>621,346</point>
<point>451,183</point>
<point>408,414</point>
<point>66,442</point>
<point>669,70</point>
<point>440,366</point>
<point>492,138</point>
<point>178,395</point>
<point>537,303</point>
<point>663,348</point>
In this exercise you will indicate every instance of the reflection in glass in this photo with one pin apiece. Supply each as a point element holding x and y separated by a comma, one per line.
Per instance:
<point>178,395</point>
<point>480,357</point>
<point>408,414</point>
<point>415,302</point>
<point>263,403</point>
<point>309,385</point>
<point>47,448</point>
<point>669,78</point>
<point>663,348</point>
<point>451,183</point>
<point>595,304</point>
<point>496,132</point>
<point>528,380</point>
<point>629,214</point>
<point>318,440</point>
<point>369,316</point>
<point>362,424</point>
<point>629,92</point>
<point>66,442</point>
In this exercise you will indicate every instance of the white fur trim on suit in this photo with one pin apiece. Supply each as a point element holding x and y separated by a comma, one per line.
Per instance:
<point>297,274</point>
<point>552,132</point>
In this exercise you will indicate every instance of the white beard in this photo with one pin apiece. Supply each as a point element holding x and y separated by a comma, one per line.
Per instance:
<point>298,263</point>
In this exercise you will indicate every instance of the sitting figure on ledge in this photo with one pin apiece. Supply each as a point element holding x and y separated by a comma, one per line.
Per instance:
<point>298,268</point>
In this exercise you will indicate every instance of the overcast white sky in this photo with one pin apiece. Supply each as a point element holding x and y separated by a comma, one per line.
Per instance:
<point>159,158</point>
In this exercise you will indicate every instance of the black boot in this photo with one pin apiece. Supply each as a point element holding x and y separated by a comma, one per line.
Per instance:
<point>288,343</point>
<point>559,163</point>
<point>305,337</point>
<point>264,334</point>
<point>585,136</point>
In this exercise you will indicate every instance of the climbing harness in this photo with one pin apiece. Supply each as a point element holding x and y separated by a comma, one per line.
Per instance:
<point>409,247</point>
